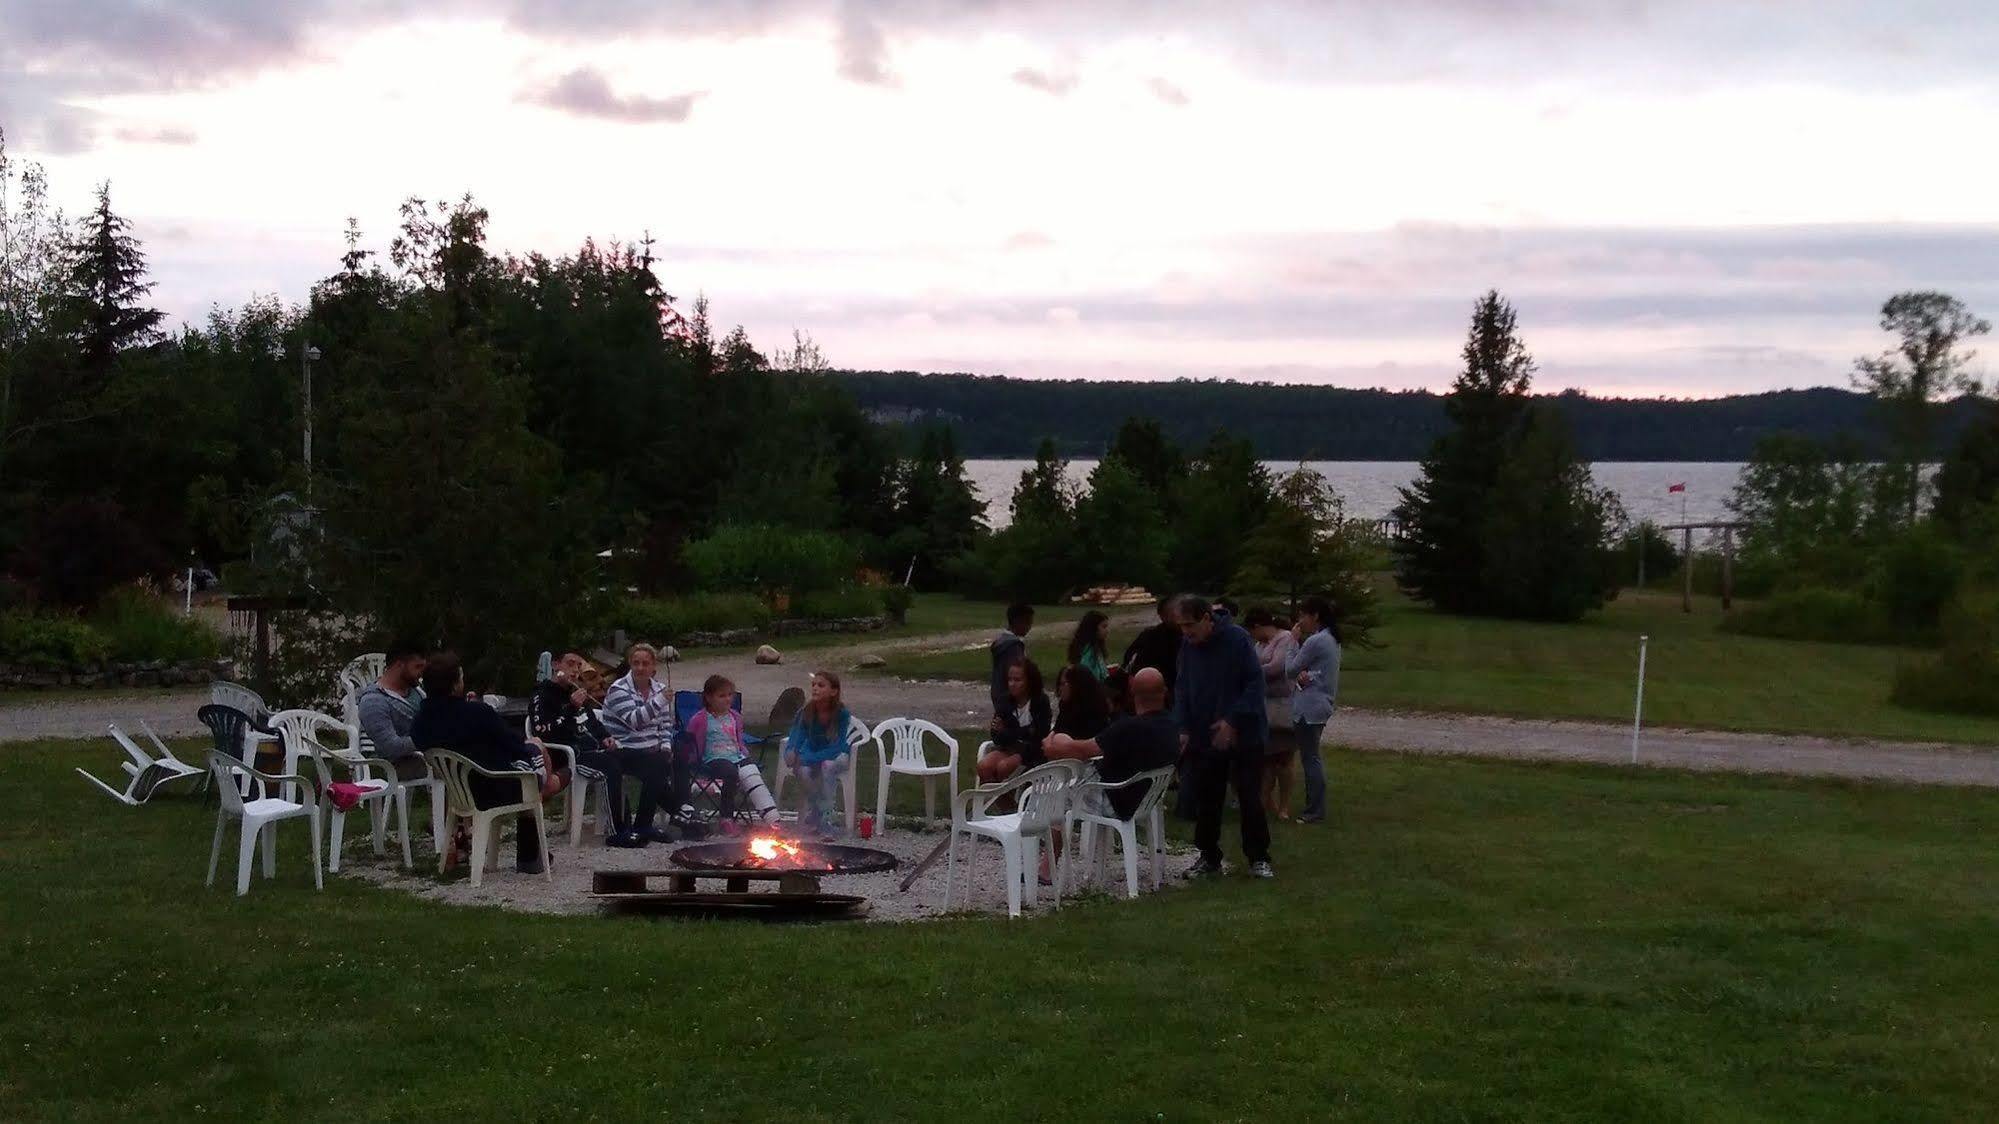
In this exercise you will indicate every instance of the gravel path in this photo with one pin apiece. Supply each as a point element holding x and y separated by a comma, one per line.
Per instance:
<point>959,705</point>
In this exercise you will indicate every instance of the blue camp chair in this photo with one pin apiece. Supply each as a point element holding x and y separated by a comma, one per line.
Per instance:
<point>703,791</point>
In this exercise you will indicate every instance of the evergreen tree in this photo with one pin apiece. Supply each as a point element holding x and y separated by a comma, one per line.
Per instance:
<point>1967,483</point>
<point>1150,455</point>
<point>104,283</point>
<point>1503,517</point>
<point>1044,492</point>
<point>1911,379</point>
<point>1121,535</point>
<point>940,515</point>
<point>1218,503</point>
<point>1305,545</point>
<point>1441,553</point>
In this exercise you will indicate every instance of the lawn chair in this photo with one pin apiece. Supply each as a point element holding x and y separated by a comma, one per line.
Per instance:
<point>1086,829</point>
<point>1041,797</point>
<point>354,679</point>
<point>583,780</point>
<point>705,792</point>
<point>252,704</point>
<point>858,735</point>
<point>147,773</point>
<point>259,815</point>
<point>458,772</point>
<point>301,730</point>
<point>899,746</point>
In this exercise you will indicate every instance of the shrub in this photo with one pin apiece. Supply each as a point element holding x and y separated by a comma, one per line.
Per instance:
<point>1964,678</point>
<point>1662,558</point>
<point>896,600</point>
<point>1834,616</point>
<point>663,619</point>
<point>50,641</point>
<point>78,551</point>
<point>1915,575</point>
<point>139,626</point>
<point>769,560</point>
<point>833,604</point>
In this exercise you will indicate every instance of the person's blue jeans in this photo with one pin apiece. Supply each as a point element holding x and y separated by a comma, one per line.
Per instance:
<point>1314,766</point>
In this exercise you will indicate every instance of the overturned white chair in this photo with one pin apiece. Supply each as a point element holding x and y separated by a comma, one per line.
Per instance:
<point>145,772</point>
<point>259,814</point>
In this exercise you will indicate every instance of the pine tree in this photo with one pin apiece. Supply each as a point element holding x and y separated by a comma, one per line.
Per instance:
<point>1441,553</point>
<point>103,285</point>
<point>1305,545</point>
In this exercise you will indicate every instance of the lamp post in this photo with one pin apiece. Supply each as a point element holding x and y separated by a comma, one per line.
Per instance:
<point>306,358</point>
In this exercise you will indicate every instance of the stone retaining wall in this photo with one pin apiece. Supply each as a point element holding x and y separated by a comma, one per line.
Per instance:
<point>120,673</point>
<point>739,637</point>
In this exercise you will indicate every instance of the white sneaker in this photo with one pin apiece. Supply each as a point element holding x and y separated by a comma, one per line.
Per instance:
<point>1262,870</point>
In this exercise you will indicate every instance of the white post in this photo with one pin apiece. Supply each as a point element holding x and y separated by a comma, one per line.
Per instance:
<point>1638,708</point>
<point>187,594</point>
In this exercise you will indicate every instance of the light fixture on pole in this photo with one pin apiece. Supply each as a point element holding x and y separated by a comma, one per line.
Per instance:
<point>310,353</point>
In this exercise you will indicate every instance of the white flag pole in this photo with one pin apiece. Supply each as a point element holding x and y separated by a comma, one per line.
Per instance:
<point>1638,707</point>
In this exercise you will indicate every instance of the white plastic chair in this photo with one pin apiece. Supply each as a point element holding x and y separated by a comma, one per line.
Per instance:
<point>858,735</point>
<point>1041,798</point>
<point>583,781</point>
<point>147,773</point>
<point>354,679</point>
<point>1086,828</point>
<point>899,748</point>
<point>260,815</point>
<point>301,730</point>
<point>361,767</point>
<point>458,772</point>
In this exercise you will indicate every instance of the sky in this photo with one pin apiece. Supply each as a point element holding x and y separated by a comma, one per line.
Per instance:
<point>1683,199</point>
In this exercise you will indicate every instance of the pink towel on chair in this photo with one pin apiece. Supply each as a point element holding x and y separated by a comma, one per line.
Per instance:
<point>345,794</point>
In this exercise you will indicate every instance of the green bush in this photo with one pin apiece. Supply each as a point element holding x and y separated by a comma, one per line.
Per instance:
<point>140,626</point>
<point>832,604</point>
<point>1964,678</point>
<point>50,641</point>
<point>771,560</point>
<point>1834,616</point>
<point>896,600</point>
<point>1915,575</point>
<point>665,619</point>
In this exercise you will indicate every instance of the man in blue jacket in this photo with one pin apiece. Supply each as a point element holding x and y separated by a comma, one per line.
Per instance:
<point>1218,705</point>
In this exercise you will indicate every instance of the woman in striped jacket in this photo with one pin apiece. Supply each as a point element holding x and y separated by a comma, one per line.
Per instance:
<point>638,714</point>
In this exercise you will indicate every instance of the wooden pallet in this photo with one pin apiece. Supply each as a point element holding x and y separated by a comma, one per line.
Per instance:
<point>797,893</point>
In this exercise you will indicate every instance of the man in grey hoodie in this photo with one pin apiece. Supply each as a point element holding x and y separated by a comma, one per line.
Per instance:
<point>388,706</point>
<point>1218,705</point>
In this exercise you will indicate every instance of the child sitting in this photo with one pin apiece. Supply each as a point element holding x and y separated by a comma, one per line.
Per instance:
<point>717,733</point>
<point>817,752</point>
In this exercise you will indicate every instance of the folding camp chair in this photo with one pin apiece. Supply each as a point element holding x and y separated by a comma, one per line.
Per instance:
<point>705,792</point>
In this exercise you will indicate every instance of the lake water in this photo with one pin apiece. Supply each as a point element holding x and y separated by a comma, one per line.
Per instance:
<point>1369,487</point>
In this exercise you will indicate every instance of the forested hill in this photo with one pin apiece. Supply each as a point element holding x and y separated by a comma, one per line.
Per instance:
<point>1007,417</point>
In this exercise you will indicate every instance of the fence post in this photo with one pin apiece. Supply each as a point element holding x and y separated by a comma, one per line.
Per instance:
<point>1638,707</point>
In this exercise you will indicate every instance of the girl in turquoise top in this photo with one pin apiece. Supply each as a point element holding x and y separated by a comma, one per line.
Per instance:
<point>817,752</point>
<point>1086,647</point>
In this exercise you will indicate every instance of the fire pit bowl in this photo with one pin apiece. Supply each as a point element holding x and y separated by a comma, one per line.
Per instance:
<point>783,854</point>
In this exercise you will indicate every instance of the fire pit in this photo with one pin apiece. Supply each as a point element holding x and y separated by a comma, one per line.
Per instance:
<point>765,852</point>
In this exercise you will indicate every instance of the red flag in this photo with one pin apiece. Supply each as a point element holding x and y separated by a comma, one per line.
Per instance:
<point>1680,487</point>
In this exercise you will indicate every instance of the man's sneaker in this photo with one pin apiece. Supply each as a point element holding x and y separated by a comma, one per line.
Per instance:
<point>627,839</point>
<point>1202,868</point>
<point>656,834</point>
<point>1262,870</point>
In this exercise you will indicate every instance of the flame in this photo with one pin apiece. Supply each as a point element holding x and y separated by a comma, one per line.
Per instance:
<point>768,848</point>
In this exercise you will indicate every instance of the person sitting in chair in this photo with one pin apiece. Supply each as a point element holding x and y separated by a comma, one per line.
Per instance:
<point>387,708</point>
<point>818,753</point>
<point>638,714</point>
<point>559,714</point>
<point>1146,740</point>
<point>465,726</point>
<point>716,733</point>
<point>1018,730</point>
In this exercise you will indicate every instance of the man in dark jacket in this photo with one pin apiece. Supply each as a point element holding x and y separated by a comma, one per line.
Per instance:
<point>1157,647</point>
<point>1218,705</point>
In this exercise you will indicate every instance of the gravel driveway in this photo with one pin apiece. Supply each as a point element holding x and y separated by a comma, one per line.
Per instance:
<point>958,705</point>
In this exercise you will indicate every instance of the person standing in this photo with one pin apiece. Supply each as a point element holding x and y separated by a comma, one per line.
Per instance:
<point>1315,669</point>
<point>1274,645</point>
<point>1218,705</point>
<point>1156,647</point>
<point>1009,648</point>
<point>1086,646</point>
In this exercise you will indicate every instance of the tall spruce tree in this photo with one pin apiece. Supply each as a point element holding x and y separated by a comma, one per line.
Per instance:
<point>104,285</point>
<point>1550,514</point>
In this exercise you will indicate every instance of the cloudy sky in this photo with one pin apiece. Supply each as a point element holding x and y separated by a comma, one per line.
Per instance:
<point>1681,198</point>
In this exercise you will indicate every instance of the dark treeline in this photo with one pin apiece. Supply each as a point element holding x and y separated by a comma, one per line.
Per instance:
<point>1007,417</point>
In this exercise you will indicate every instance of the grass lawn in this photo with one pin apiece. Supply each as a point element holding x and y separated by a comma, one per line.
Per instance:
<point>930,614</point>
<point>1465,940</point>
<point>1696,675</point>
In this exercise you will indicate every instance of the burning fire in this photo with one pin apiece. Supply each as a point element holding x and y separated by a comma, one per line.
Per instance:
<point>769,847</point>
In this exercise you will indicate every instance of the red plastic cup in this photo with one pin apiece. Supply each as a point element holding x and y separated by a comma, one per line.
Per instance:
<point>865,826</point>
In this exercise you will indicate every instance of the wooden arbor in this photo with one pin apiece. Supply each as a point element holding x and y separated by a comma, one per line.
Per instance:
<point>1687,530</point>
